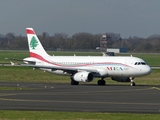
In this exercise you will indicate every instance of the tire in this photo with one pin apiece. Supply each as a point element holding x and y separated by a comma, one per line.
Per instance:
<point>133,84</point>
<point>101,82</point>
<point>74,82</point>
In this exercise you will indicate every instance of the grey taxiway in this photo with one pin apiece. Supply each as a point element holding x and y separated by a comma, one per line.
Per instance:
<point>84,97</point>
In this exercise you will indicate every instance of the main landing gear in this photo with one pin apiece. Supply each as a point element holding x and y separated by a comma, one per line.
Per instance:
<point>101,82</point>
<point>132,81</point>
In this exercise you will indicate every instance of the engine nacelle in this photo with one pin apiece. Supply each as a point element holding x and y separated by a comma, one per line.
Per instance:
<point>83,76</point>
<point>121,79</point>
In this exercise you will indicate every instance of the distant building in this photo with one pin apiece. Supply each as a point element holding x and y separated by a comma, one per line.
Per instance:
<point>103,42</point>
<point>106,41</point>
<point>117,50</point>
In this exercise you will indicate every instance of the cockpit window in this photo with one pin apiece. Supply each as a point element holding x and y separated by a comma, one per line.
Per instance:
<point>135,63</point>
<point>140,63</point>
<point>143,63</point>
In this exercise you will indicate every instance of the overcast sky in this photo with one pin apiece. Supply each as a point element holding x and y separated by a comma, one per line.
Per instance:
<point>128,17</point>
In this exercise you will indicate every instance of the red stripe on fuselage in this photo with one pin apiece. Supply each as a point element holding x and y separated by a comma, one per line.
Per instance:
<point>30,31</point>
<point>38,57</point>
<point>34,55</point>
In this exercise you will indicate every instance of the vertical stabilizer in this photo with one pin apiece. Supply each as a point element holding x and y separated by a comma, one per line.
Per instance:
<point>35,47</point>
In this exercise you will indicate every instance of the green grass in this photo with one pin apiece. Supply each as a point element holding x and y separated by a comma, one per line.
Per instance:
<point>26,74</point>
<point>48,115</point>
<point>12,54</point>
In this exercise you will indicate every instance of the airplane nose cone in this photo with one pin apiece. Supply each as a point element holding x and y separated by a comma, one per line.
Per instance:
<point>145,70</point>
<point>148,70</point>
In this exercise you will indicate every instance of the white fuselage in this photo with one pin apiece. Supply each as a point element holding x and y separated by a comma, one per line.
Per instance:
<point>111,66</point>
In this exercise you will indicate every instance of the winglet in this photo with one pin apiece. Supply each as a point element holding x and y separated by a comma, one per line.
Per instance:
<point>12,64</point>
<point>104,55</point>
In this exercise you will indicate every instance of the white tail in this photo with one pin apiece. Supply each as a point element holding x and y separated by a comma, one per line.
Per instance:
<point>35,47</point>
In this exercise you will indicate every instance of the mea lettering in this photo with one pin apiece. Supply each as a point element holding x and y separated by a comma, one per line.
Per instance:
<point>115,68</point>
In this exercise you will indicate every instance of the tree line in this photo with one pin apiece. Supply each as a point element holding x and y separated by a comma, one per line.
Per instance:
<point>82,41</point>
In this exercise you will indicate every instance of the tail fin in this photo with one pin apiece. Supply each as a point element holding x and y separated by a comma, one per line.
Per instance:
<point>35,47</point>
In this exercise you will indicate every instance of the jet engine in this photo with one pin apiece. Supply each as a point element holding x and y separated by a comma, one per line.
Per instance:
<point>83,76</point>
<point>121,79</point>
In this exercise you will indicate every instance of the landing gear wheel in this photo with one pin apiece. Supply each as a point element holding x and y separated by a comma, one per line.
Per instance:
<point>101,82</point>
<point>132,81</point>
<point>74,82</point>
<point>133,84</point>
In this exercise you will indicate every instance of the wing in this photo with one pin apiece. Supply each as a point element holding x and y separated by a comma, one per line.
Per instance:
<point>65,69</point>
<point>15,59</point>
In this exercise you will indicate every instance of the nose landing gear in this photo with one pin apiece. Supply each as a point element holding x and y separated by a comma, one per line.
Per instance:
<point>132,81</point>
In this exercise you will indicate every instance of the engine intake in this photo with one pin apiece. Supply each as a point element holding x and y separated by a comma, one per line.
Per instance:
<point>83,76</point>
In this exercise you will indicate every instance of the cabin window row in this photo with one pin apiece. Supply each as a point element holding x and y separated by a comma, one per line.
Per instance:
<point>86,63</point>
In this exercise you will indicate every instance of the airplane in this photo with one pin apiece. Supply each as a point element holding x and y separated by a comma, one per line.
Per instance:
<point>85,68</point>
